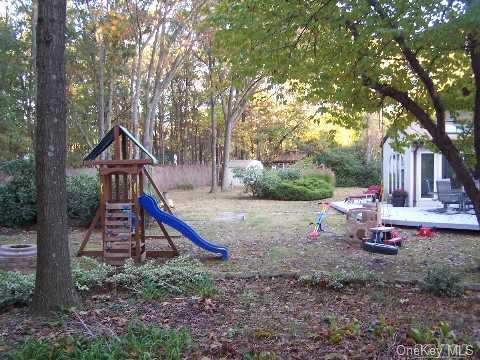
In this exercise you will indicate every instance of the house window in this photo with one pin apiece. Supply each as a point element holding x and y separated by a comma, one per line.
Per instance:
<point>396,173</point>
<point>447,173</point>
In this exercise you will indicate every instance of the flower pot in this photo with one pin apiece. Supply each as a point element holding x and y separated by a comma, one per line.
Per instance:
<point>398,201</point>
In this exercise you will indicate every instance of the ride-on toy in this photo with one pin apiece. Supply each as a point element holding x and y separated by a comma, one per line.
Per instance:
<point>383,240</point>
<point>317,225</point>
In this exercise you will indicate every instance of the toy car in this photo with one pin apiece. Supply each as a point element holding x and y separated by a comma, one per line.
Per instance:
<point>383,240</point>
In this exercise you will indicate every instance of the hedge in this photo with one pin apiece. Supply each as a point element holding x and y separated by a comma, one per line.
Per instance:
<point>288,184</point>
<point>18,196</point>
<point>350,166</point>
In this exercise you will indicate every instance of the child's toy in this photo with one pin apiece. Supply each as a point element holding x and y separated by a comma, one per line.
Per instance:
<point>360,220</point>
<point>383,240</point>
<point>122,212</point>
<point>373,193</point>
<point>317,229</point>
<point>424,231</point>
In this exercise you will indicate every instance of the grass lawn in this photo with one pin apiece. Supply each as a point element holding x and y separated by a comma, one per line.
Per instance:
<point>273,314</point>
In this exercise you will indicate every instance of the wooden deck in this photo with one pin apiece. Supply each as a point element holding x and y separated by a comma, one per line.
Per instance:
<point>415,217</point>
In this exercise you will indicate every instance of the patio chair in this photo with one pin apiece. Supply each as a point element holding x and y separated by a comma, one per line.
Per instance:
<point>446,195</point>
<point>372,193</point>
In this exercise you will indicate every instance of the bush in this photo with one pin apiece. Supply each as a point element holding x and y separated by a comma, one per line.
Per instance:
<point>180,276</point>
<point>83,194</point>
<point>250,178</point>
<point>441,281</point>
<point>303,189</point>
<point>19,196</point>
<point>15,288</point>
<point>350,167</point>
<point>290,174</point>
<point>140,342</point>
<point>288,184</point>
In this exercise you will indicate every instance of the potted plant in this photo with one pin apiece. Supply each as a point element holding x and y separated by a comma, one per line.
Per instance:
<point>399,196</point>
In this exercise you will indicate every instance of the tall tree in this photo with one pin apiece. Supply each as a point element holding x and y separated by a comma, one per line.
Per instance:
<point>53,285</point>
<point>213,121</point>
<point>421,59</point>
<point>233,101</point>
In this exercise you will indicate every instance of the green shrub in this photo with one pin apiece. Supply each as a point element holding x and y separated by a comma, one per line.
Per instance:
<point>290,174</point>
<point>267,184</point>
<point>140,342</point>
<point>185,186</point>
<point>182,276</point>
<point>441,281</point>
<point>350,166</point>
<point>288,184</point>
<point>326,175</point>
<point>303,189</point>
<point>15,288</point>
<point>83,194</point>
<point>19,196</point>
<point>88,273</point>
<point>250,178</point>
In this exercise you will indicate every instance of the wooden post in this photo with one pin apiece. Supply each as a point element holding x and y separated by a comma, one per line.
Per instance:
<point>125,176</point>
<point>116,144</point>
<point>141,212</point>
<point>102,209</point>
<point>164,201</point>
<point>89,231</point>
<point>136,207</point>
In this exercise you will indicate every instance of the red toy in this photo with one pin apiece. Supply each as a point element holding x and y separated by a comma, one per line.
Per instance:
<point>424,231</point>
<point>373,192</point>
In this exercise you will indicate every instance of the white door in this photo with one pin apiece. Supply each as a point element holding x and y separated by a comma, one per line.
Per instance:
<point>427,175</point>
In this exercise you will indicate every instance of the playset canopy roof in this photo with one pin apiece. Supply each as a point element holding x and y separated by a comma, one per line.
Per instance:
<point>108,140</point>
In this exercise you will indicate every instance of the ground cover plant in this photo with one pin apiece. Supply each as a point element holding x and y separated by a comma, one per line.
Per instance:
<point>179,276</point>
<point>272,318</point>
<point>139,341</point>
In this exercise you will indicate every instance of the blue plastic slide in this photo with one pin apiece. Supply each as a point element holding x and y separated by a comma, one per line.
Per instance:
<point>151,206</point>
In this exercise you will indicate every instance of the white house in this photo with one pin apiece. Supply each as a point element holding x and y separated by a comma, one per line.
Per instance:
<point>417,169</point>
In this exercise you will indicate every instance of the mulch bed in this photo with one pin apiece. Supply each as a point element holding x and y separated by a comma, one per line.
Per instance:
<point>266,315</point>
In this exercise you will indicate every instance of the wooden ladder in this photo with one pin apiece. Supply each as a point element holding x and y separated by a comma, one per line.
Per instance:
<point>119,233</point>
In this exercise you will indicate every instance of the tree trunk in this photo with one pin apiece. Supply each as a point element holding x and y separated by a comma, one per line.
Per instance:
<point>101,91</point>
<point>53,284</point>
<point>213,124</point>
<point>368,138</point>
<point>111,92</point>
<point>226,151</point>
<point>34,71</point>
<point>136,98</point>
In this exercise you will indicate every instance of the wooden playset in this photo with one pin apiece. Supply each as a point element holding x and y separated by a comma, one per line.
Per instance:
<point>121,218</point>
